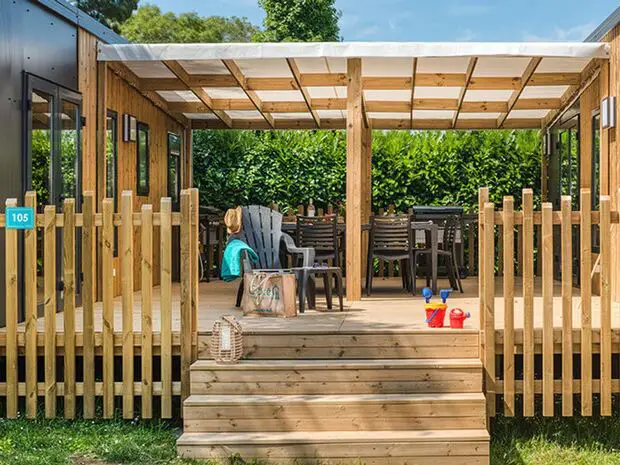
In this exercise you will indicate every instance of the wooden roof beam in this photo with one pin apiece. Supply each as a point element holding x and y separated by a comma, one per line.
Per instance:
<point>199,92</point>
<point>414,70</point>
<point>525,78</point>
<point>121,70</point>
<point>378,106</point>
<point>304,92</point>
<point>468,75</point>
<point>253,96</point>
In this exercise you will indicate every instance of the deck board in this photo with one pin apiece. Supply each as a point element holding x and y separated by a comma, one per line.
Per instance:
<point>388,309</point>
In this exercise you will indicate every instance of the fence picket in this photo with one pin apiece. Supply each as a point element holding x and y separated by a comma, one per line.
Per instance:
<point>30,310</point>
<point>127,300</point>
<point>547,296</point>
<point>508,262</point>
<point>528,302</point>
<point>605,274</point>
<point>194,252</point>
<point>10,275</point>
<point>186,292</point>
<point>585,234</point>
<point>166,307</point>
<point>489,306</point>
<point>146,291</point>
<point>49,291</point>
<point>567,308</point>
<point>68,277</point>
<point>88,301</point>
<point>107,258</point>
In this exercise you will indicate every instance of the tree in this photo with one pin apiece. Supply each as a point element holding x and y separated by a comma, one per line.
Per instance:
<point>112,13</point>
<point>299,21</point>
<point>149,25</point>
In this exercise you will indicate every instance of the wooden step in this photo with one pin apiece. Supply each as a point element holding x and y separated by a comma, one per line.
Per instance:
<point>351,412</point>
<point>378,344</point>
<point>445,447</point>
<point>337,376</point>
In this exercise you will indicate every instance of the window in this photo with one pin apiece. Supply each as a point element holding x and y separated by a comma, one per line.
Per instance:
<point>111,157</point>
<point>143,160</point>
<point>174,167</point>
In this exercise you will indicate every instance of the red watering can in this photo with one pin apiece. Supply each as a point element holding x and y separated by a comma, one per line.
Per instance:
<point>457,317</point>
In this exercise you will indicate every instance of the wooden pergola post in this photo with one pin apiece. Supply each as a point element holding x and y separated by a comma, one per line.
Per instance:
<point>355,191</point>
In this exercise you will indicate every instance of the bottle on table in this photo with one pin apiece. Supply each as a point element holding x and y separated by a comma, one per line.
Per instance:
<point>311,210</point>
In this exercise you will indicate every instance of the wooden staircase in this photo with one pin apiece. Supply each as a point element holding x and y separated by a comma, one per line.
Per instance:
<point>376,398</point>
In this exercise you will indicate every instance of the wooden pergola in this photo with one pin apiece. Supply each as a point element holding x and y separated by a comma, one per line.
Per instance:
<point>359,87</point>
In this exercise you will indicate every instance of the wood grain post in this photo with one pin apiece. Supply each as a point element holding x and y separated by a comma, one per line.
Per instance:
<point>107,259</point>
<point>567,307</point>
<point>186,293</point>
<point>11,303</point>
<point>586,302</point>
<point>528,302</point>
<point>195,251</point>
<point>489,307</point>
<point>68,277</point>
<point>547,296</point>
<point>49,297</point>
<point>509,291</point>
<point>165,288</point>
<point>146,290</point>
<point>605,266</point>
<point>483,198</point>
<point>355,122</point>
<point>88,301</point>
<point>127,288</point>
<point>30,304</point>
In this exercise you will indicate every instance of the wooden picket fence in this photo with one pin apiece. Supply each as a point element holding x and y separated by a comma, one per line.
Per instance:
<point>510,355</point>
<point>106,379</point>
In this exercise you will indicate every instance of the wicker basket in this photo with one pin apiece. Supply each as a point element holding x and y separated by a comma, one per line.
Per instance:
<point>226,345</point>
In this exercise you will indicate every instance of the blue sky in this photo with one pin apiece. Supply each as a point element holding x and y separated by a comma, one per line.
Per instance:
<point>438,20</point>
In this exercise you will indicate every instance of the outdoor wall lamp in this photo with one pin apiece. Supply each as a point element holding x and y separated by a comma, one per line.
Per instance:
<point>608,112</point>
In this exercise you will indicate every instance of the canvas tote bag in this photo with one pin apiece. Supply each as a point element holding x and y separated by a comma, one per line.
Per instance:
<point>270,294</point>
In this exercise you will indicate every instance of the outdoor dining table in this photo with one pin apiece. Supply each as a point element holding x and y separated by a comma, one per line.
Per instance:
<point>422,227</point>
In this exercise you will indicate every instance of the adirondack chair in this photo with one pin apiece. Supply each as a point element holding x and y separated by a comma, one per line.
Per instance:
<point>262,231</point>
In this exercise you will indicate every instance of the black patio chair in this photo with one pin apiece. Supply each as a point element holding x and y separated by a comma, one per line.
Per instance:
<point>321,234</point>
<point>261,229</point>
<point>391,239</point>
<point>446,250</point>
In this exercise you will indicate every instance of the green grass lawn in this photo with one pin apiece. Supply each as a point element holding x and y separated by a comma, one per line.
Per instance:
<point>536,441</point>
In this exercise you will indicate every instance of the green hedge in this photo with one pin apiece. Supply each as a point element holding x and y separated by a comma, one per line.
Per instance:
<point>408,168</point>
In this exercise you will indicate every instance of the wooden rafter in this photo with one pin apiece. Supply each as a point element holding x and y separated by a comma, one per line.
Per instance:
<point>468,75</point>
<point>252,95</point>
<point>525,78</point>
<point>199,92</point>
<point>304,92</point>
<point>414,69</point>
<point>122,71</point>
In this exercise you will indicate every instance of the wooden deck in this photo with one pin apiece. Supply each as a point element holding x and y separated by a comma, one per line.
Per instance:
<point>388,309</point>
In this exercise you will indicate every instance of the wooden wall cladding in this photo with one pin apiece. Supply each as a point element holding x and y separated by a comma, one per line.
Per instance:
<point>122,98</point>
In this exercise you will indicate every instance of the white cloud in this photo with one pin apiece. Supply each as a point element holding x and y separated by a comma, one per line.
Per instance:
<point>467,35</point>
<point>368,32</point>
<point>575,33</point>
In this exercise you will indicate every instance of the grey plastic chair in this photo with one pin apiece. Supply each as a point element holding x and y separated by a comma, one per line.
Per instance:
<point>261,229</point>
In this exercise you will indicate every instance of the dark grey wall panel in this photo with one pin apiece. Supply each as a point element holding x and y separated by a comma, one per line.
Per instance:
<point>32,39</point>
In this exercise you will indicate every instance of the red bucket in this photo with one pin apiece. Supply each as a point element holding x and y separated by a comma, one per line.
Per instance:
<point>457,318</point>
<point>435,314</point>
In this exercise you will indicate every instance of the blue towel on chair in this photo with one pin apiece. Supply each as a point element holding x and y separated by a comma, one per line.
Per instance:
<point>231,263</point>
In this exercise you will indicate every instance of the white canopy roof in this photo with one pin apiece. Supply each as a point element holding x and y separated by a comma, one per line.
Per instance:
<point>406,85</point>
